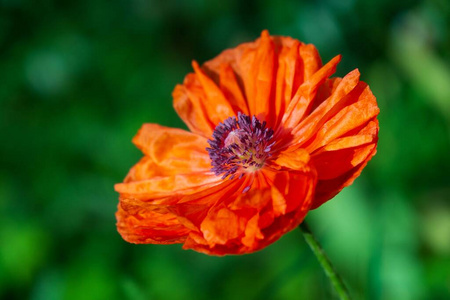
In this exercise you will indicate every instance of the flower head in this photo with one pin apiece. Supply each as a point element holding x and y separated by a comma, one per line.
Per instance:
<point>272,136</point>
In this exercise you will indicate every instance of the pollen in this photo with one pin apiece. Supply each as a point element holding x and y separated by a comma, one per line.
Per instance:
<point>239,145</point>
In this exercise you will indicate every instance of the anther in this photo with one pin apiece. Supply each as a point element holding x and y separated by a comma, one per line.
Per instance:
<point>239,145</point>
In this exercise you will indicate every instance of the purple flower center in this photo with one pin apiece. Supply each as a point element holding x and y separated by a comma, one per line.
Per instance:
<point>239,146</point>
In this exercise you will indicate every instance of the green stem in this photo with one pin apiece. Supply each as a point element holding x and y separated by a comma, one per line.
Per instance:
<point>324,262</point>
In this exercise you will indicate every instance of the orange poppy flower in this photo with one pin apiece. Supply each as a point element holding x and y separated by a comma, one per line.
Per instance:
<point>271,137</point>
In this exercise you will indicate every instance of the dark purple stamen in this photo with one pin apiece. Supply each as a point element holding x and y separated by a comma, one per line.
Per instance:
<point>239,145</point>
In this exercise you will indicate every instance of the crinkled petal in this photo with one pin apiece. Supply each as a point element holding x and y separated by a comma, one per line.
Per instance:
<point>192,209</point>
<point>175,162</point>
<point>217,107</point>
<point>288,78</point>
<point>314,121</point>
<point>302,101</point>
<point>258,78</point>
<point>327,189</point>
<point>189,101</point>
<point>252,233</point>
<point>169,217</point>
<point>361,108</point>
<point>311,61</point>
<point>259,82</point>
<point>243,226</point>
<point>222,225</point>
<point>231,89</point>
<point>340,162</point>
<point>172,151</point>
<point>163,186</point>
<point>141,226</point>
<point>296,159</point>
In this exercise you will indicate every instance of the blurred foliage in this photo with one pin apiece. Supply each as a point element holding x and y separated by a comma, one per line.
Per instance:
<point>78,78</point>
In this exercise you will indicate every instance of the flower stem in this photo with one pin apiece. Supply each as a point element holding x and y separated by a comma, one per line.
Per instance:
<point>325,262</point>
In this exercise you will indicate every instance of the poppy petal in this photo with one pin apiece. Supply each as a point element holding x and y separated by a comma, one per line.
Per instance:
<point>342,160</point>
<point>218,108</point>
<point>288,77</point>
<point>332,164</point>
<point>140,226</point>
<point>296,159</point>
<point>327,189</point>
<point>189,103</point>
<point>361,107</point>
<point>173,151</point>
<point>175,161</point>
<point>252,233</point>
<point>231,89</point>
<point>311,60</point>
<point>294,186</point>
<point>222,225</point>
<point>235,230</point>
<point>263,73</point>
<point>304,96</point>
<point>183,212</point>
<point>326,109</point>
<point>164,186</point>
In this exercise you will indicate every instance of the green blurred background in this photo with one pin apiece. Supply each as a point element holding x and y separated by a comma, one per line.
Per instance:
<point>78,78</point>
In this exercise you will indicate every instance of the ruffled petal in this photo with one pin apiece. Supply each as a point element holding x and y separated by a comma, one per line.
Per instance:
<point>340,133</point>
<point>326,110</point>
<point>173,151</point>
<point>175,161</point>
<point>192,209</point>
<point>303,99</point>
<point>252,233</point>
<point>231,89</point>
<point>311,61</point>
<point>259,81</point>
<point>327,189</point>
<point>257,78</point>
<point>189,103</point>
<point>218,108</point>
<point>169,216</point>
<point>276,202</point>
<point>164,186</point>
<point>345,142</point>
<point>288,78</point>
<point>361,108</point>
<point>296,159</point>
<point>222,225</point>
<point>141,226</point>
<point>340,162</point>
